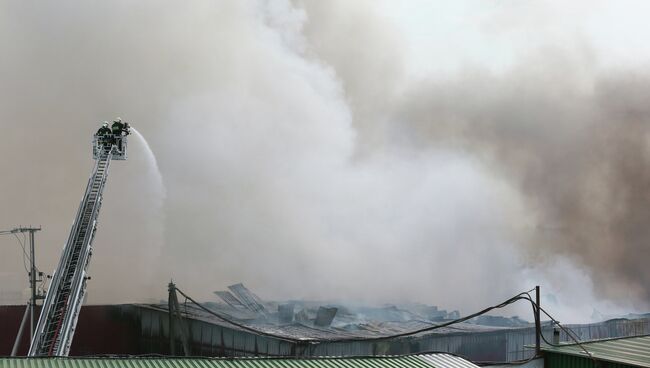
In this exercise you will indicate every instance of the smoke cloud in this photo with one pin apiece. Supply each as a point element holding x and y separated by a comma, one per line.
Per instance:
<point>301,156</point>
<point>578,153</point>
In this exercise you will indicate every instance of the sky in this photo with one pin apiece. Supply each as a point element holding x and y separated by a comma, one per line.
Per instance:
<point>450,153</point>
<point>443,36</point>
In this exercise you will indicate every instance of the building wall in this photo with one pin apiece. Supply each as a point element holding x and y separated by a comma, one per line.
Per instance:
<point>135,330</point>
<point>553,360</point>
<point>111,329</point>
<point>495,346</point>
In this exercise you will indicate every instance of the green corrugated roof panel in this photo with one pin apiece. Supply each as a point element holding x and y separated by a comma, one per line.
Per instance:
<point>634,351</point>
<point>413,361</point>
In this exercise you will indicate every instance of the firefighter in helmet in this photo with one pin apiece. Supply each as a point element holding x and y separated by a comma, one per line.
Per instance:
<point>117,128</point>
<point>104,134</point>
<point>104,130</point>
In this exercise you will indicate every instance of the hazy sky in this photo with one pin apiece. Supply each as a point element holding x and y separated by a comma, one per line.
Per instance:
<point>443,36</point>
<point>446,152</point>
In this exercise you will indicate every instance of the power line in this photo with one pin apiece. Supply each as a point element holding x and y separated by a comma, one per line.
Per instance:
<point>25,256</point>
<point>242,326</point>
<point>22,245</point>
<point>568,331</point>
<point>521,296</point>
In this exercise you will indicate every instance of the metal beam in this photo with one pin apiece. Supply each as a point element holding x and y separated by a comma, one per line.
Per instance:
<point>32,276</point>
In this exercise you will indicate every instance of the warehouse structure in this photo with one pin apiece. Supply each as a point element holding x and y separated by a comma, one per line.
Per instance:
<point>629,352</point>
<point>413,361</point>
<point>132,329</point>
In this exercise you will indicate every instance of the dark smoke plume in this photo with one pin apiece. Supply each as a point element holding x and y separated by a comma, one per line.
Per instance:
<point>578,151</point>
<point>301,158</point>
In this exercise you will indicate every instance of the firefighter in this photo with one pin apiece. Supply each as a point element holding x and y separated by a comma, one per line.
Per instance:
<point>104,130</point>
<point>104,134</point>
<point>117,127</point>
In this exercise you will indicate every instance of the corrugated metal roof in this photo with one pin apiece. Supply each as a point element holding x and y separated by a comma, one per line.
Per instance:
<point>633,351</point>
<point>304,332</point>
<point>446,361</point>
<point>413,361</point>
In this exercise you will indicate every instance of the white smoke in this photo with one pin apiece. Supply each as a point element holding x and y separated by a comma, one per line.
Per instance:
<point>286,159</point>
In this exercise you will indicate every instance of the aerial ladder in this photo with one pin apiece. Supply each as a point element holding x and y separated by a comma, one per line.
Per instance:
<point>58,318</point>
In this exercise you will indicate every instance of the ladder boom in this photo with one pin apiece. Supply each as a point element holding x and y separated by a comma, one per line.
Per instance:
<point>58,318</point>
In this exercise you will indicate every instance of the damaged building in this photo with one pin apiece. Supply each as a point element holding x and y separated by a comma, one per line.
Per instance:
<point>244,325</point>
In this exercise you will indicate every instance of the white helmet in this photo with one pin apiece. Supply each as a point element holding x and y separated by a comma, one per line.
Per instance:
<point>117,120</point>
<point>105,125</point>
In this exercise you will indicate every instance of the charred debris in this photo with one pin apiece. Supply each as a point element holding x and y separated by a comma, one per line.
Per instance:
<point>240,303</point>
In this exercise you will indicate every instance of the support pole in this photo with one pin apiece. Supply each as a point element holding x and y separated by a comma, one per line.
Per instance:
<point>170,308</point>
<point>173,301</point>
<point>32,280</point>
<point>181,325</point>
<point>538,325</point>
<point>19,336</point>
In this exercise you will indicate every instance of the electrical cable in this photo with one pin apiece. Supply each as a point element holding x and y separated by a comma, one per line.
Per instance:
<point>521,296</point>
<point>567,331</point>
<point>22,245</point>
<point>26,256</point>
<point>242,326</point>
<point>41,287</point>
<point>507,302</point>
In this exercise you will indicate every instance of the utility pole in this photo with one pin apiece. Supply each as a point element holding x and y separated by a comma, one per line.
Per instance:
<point>175,311</point>
<point>34,277</point>
<point>19,336</point>
<point>32,281</point>
<point>170,308</point>
<point>538,324</point>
